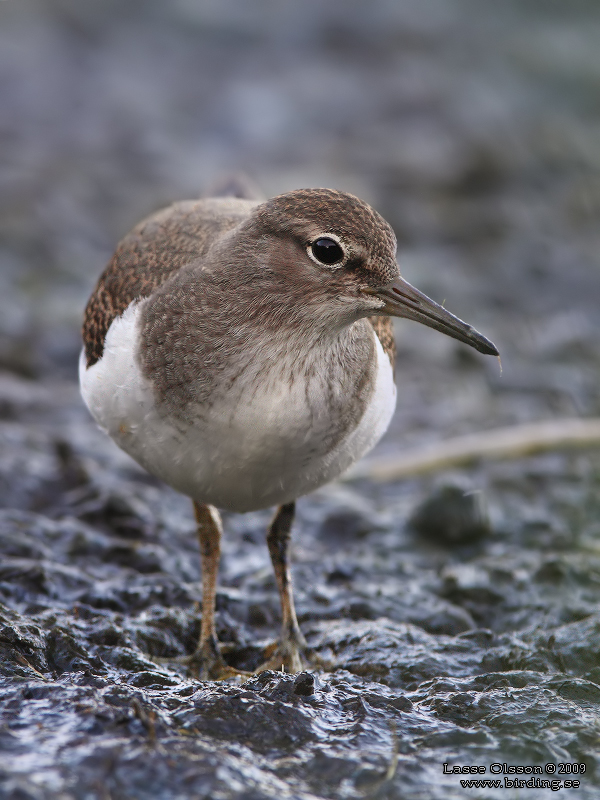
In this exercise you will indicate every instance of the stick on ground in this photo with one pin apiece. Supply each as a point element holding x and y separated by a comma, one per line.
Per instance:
<point>511,442</point>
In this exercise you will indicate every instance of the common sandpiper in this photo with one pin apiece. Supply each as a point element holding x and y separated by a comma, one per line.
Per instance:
<point>242,351</point>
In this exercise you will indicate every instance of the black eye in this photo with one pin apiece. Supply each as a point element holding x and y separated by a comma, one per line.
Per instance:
<point>327,251</point>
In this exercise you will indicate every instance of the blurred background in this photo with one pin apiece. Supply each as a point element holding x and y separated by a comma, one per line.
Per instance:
<point>474,129</point>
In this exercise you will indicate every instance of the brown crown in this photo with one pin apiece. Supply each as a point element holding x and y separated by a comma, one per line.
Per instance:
<point>340,213</point>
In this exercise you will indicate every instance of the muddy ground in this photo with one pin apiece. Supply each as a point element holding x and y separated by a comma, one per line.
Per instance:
<point>459,610</point>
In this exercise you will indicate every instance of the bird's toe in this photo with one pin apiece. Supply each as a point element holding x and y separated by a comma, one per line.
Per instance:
<point>291,654</point>
<point>206,664</point>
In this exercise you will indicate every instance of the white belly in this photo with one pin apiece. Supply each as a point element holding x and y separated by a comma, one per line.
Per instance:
<point>249,453</point>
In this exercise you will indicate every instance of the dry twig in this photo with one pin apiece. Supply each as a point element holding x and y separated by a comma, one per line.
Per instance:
<point>512,442</point>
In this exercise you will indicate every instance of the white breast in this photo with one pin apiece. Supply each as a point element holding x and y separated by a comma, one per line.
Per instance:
<point>244,452</point>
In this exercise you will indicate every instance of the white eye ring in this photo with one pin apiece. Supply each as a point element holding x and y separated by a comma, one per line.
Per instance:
<point>326,250</point>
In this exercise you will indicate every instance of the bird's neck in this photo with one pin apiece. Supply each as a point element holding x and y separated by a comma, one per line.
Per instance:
<point>197,346</point>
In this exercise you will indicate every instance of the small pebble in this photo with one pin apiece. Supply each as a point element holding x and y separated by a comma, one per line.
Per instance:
<point>451,516</point>
<point>304,685</point>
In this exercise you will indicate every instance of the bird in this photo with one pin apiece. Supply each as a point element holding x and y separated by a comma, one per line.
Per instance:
<point>242,351</point>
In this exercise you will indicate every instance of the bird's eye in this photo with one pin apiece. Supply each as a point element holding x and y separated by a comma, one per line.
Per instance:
<point>327,251</point>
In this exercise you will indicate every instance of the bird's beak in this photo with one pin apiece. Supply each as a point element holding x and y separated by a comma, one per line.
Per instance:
<point>403,300</point>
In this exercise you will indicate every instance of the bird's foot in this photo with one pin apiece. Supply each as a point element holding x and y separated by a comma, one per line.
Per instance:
<point>207,663</point>
<point>291,654</point>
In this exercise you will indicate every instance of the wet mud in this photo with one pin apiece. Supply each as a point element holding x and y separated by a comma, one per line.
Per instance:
<point>458,613</point>
<point>474,650</point>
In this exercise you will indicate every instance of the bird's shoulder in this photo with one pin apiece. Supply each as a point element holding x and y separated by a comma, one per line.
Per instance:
<point>384,331</point>
<point>147,256</point>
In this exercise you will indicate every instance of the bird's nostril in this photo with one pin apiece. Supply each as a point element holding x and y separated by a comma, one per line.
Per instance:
<point>407,298</point>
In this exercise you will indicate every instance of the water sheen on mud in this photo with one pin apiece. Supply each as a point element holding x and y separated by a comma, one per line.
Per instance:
<point>478,653</point>
<point>460,612</point>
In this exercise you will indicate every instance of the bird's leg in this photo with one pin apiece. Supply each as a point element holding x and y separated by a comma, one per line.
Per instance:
<point>207,662</point>
<point>292,653</point>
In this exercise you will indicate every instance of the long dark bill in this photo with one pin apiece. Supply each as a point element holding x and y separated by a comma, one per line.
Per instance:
<point>403,300</point>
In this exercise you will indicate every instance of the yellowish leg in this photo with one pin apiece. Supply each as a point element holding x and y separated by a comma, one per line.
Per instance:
<point>207,662</point>
<point>292,653</point>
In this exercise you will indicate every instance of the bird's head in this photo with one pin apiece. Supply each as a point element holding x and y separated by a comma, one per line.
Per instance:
<point>331,249</point>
